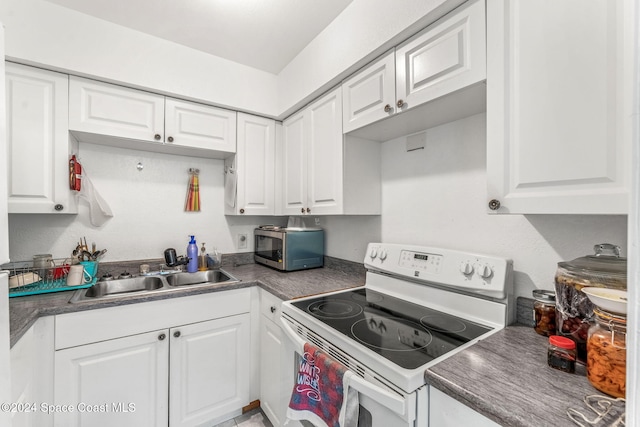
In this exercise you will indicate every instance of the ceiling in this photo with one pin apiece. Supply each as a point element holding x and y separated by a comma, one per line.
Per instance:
<point>263,34</point>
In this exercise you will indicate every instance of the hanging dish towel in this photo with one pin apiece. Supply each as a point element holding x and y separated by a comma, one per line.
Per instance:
<point>193,192</point>
<point>321,393</point>
<point>99,210</point>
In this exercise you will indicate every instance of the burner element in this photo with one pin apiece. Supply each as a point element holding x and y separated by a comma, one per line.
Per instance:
<point>443,323</point>
<point>341,309</point>
<point>390,333</point>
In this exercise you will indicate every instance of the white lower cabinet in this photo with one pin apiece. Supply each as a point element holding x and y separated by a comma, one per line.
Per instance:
<point>445,411</point>
<point>176,362</point>
<point>121,382</point>
<point>209,370</point>
<point>276,362</point>
<point>31,362</point>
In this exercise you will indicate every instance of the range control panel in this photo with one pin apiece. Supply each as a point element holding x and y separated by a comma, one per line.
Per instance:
<point>471,272</point>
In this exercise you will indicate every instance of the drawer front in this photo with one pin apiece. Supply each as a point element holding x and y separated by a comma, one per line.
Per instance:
<point>91,326</point>
<point>270,305</point>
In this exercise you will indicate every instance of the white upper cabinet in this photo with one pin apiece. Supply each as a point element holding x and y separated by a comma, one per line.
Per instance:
<point>434,77</point>
<point>556,107</point>
<point>253,168</point>
<point>188,124</point>
<point>446,57</point>
<point>38,141</point>
<point>370,95</point>
<point>108,114</point>
<point>324,172</point>
<point>106,109</point>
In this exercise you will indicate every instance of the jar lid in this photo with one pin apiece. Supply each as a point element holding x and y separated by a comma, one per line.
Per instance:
<point>605,263</point>
<point>562,342</point>
<point>544,295</point>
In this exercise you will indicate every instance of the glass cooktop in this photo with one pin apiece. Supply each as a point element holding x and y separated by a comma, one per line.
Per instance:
<point>407,334</point>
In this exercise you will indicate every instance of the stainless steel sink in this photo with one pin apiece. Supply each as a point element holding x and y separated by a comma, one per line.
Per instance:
<point>209,276</point>
<point>151,284</point>
<point>121,286</point>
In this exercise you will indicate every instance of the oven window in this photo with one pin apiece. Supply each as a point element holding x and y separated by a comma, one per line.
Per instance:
<point>269,248</point>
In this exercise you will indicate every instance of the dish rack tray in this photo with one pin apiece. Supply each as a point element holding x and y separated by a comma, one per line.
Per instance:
<point>47,280</point>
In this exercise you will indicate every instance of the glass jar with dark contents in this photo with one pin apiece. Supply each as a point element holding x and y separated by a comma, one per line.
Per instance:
<point>561,353</point>
<point>544,312</point>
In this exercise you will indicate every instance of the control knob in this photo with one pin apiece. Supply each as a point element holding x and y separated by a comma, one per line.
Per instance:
<point>466,268</point>
<point>373,253</point>
<point>484,271</point>
<point>383,255</point>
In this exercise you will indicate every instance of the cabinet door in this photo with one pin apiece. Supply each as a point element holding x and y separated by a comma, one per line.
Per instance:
<point>105,109</point>
<point>274,389</point>
<point>254,164</point>
<point>121,382</point>
<point>370,95</point>
<point>445,411</point>
<point>38,141</point>
<point>325,155</point>
<point>294,165</point>
<point>209,370</point>
<point>192,125</point>
<point>555,112</point>
<point>447,56</point>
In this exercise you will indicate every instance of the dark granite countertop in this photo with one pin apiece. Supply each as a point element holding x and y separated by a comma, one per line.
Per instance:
<point>506,378</point>
<point>335,275</point>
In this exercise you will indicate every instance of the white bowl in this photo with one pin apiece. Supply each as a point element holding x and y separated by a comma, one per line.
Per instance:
<point>611,300</point>
<point>23,279</point>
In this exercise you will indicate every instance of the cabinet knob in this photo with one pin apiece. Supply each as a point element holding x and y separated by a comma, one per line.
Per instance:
<point>58,207</point>
<point>400,103</point>
<point>273,309</point>
<point>161,337</point>
<point>308,210</point>
<point>387,108</point>
<point>494,204</point>
<point>302,210</point>
<point>157,137</point>
<point>176,334</point>
<point>241,211</point>
<point>170,139</point>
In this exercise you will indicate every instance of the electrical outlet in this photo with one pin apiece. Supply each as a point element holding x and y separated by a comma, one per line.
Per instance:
<point>242,241</point>
<point>317,221</point>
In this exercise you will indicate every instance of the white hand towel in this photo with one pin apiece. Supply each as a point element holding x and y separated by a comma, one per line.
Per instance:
<point>99,210</point>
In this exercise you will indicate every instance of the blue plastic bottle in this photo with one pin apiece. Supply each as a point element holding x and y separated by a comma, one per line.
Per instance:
<point>192,254</point>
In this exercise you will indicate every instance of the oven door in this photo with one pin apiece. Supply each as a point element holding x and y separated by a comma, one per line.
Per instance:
<point>379,405</point>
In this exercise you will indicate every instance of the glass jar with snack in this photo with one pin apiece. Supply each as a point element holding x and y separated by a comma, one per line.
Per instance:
<point>574,312</point>
<point>607,353</point>
<point>544,312</point>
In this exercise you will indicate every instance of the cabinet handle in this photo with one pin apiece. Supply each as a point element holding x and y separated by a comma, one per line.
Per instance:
<point>176,334</point>
<point>170,139</point>
<point>161,337</point>
<point>494,204</point>
<point>400,103</point>
<point>58,207</point>
<point>308,210</point>
<point>387,108</point>
<point>241,211</point>
<point>157,137</point>
<point>273,308</point>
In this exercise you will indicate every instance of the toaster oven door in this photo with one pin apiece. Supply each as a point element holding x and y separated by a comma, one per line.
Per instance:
<point>269,249</point>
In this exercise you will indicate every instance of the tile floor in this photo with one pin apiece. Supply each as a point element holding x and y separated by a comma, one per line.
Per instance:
<point>255,418</point>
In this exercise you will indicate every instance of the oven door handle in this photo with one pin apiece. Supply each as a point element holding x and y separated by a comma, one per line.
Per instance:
<point>394,402</point>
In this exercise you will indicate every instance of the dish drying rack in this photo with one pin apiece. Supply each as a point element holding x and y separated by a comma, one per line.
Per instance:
<point>25,279</point>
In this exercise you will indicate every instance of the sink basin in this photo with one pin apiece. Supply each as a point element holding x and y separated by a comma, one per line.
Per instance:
<point>151,284</point>
<point>209,276</point>
<point>121,286</point>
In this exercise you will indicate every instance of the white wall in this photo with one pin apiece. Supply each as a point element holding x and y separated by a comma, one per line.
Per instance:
<point>437,197</point>
<point>42,33</point>
<point>148,209</point>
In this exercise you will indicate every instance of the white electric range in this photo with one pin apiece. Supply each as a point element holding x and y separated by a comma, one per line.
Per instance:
<point>419,306</point>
